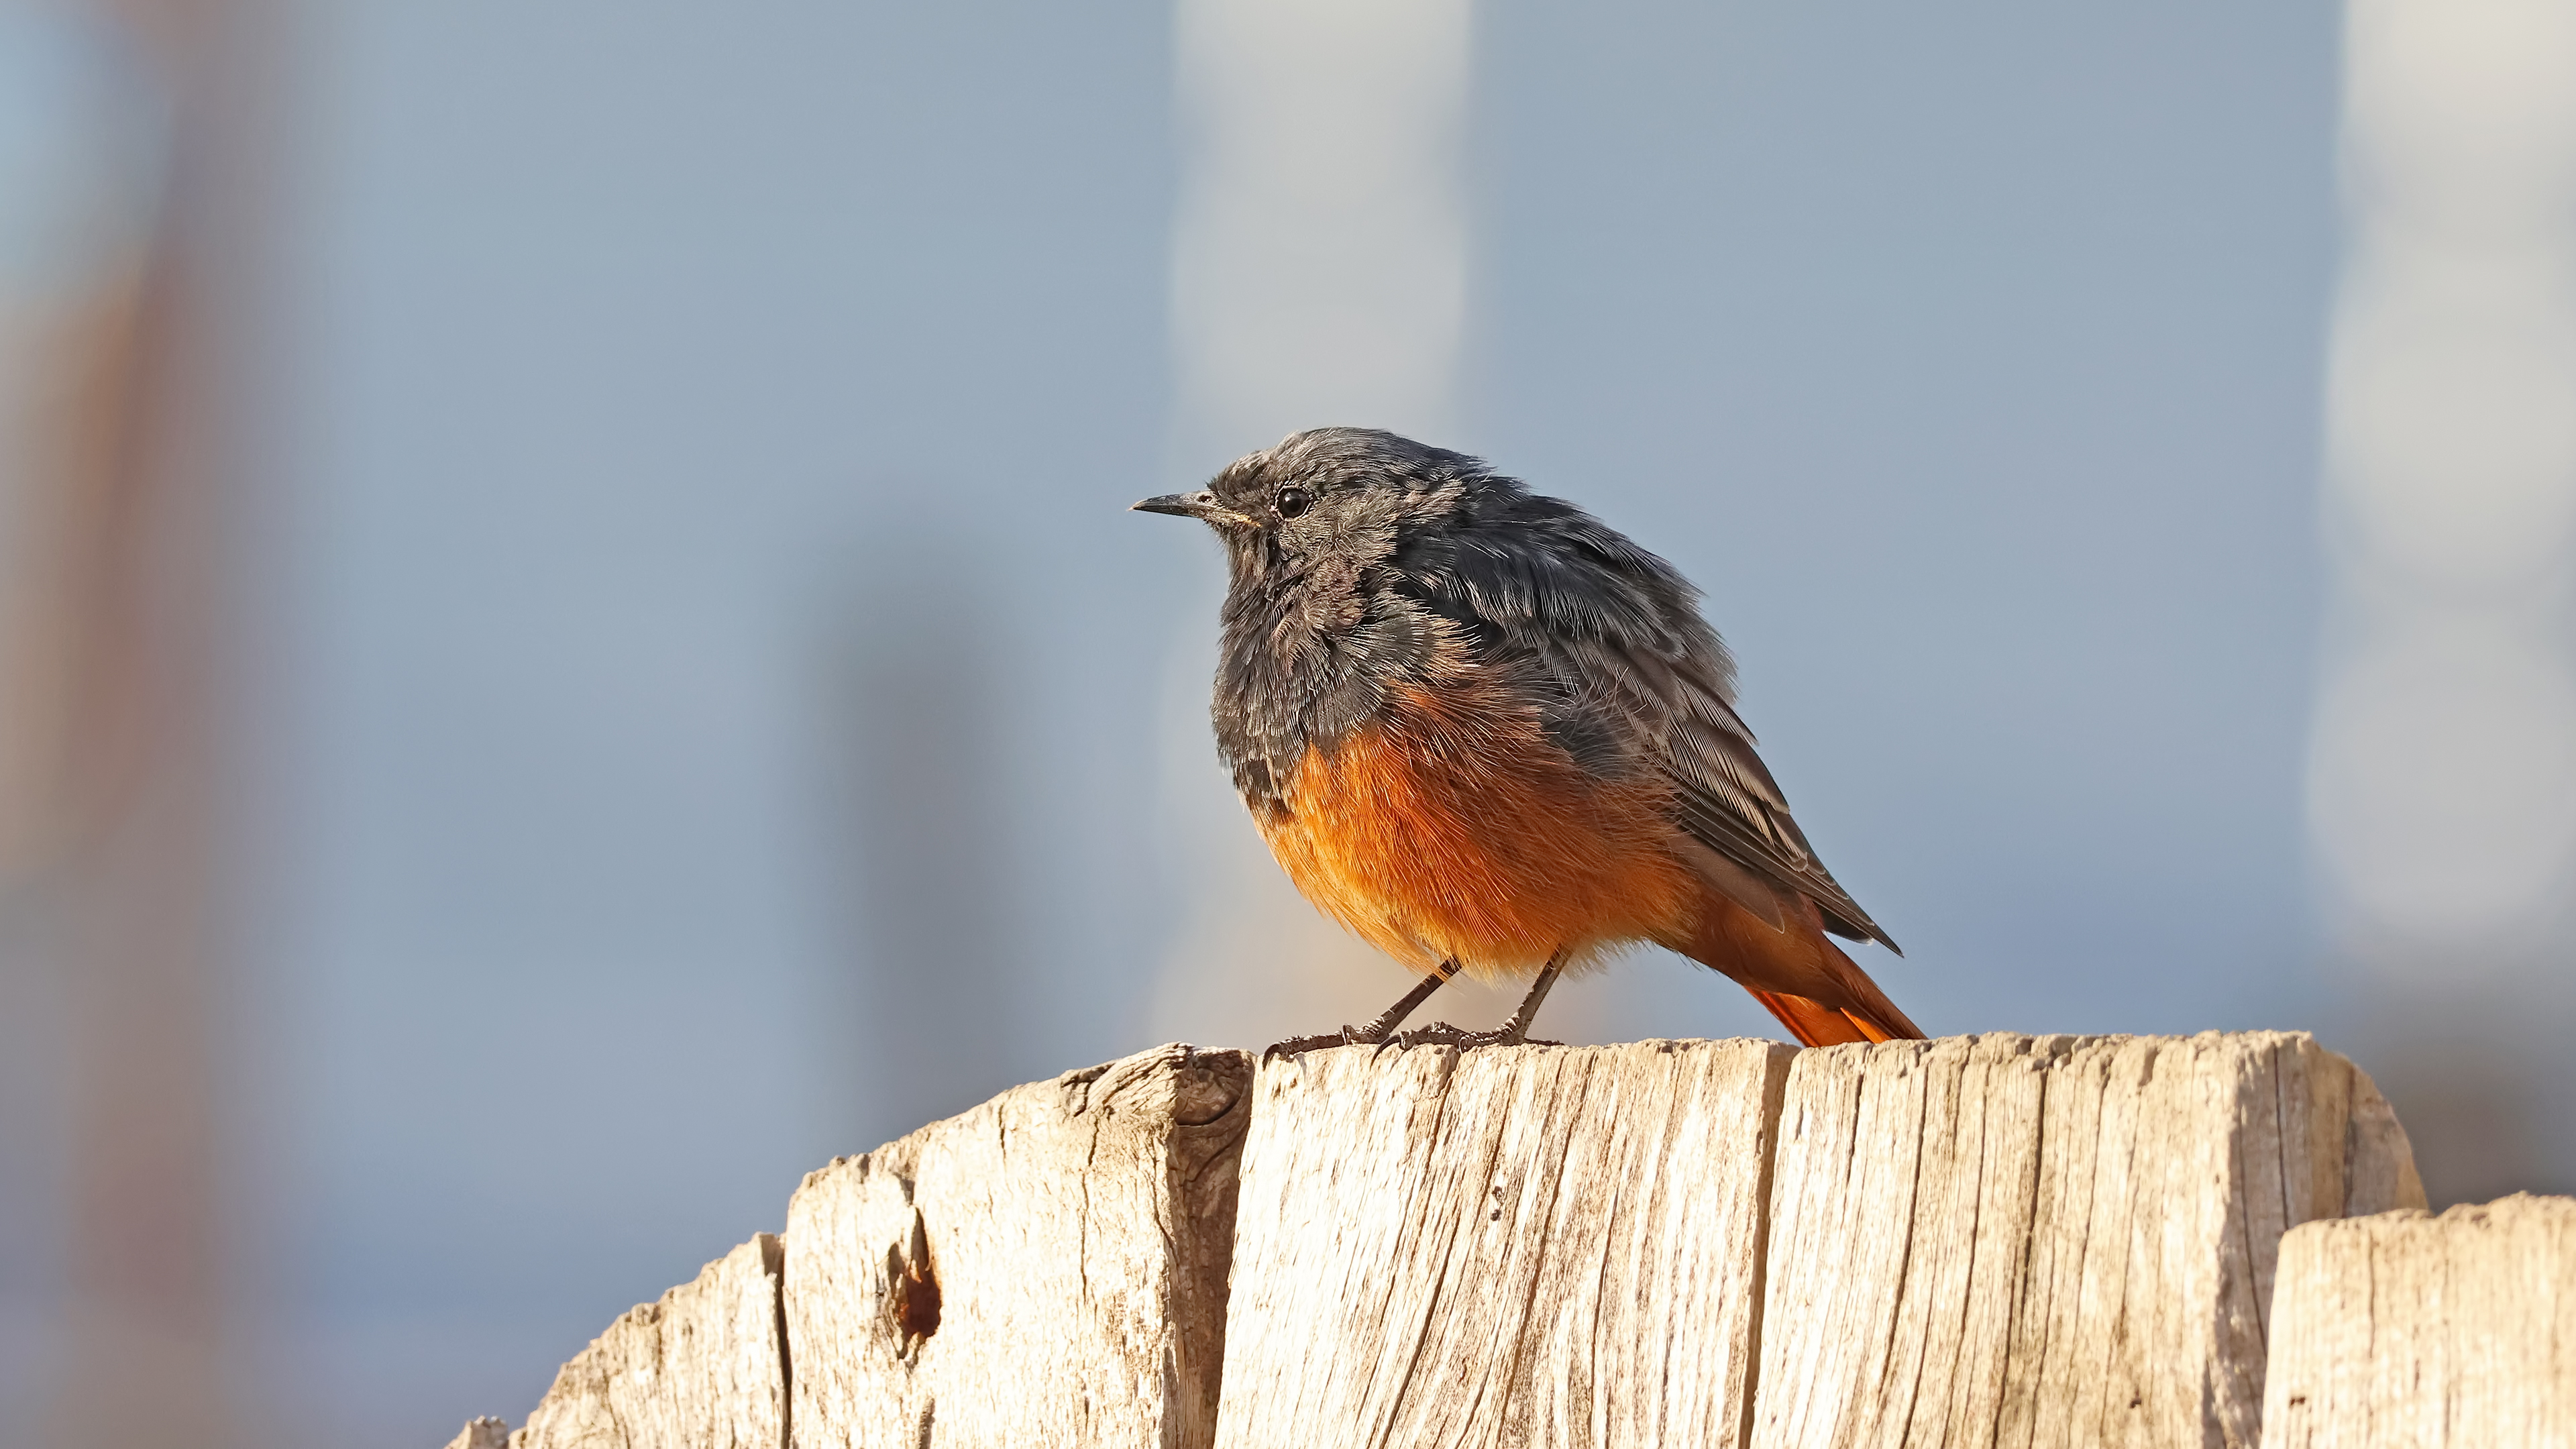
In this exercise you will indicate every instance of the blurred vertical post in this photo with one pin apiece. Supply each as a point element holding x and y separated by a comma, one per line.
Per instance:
<point>113,778</point>
<point>1320,273</point>
<point>2443,764</point>
<point>936,909</point>
<point>1319,265</point>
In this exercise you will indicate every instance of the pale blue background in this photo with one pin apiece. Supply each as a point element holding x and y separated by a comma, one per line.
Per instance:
<point>712,723</point>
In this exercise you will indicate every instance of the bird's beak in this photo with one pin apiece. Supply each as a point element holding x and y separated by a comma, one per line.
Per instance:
<point>1201,505</point>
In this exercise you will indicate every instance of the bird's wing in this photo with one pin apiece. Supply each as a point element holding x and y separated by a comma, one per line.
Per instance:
<point>1727,800</point>
<point>1634,669</point>
<point>1670,709</point>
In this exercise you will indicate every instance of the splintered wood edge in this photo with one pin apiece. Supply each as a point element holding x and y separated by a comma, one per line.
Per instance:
<point>608,1378</point>
<point>484,1433</point>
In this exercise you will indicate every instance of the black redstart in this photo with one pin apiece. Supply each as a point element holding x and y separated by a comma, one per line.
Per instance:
<point>1488,733</point>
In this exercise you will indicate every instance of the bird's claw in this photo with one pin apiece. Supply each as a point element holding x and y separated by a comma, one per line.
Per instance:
<point>1438,1033</point>
<point>1347,1036</point>
<point>1441,1033</point>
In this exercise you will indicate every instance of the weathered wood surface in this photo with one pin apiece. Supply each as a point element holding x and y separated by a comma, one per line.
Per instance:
<point>2053,1241</point>
<point>2050,1241</point>
<point>1995,1240</point>
<point>1525,1245</point>
<point>1075,1235</point>
<point>2450,1332</point>
<point>704,1368</point>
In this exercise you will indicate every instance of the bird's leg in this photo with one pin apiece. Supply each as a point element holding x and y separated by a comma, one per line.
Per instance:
<point>1388,1020</point>
<point>1378,1030</point>
<point>1514,1032</point>
<point>1517,1029</point>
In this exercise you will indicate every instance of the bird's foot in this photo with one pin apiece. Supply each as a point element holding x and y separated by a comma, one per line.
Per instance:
<point>1347,1036</point>
<point>1441,1033</point>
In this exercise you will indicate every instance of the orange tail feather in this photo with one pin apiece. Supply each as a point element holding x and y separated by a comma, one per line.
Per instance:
<point>1799,976</point>
<point>1815,1024</point>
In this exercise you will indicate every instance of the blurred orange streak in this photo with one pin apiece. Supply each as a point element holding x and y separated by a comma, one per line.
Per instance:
<point>107,768</point>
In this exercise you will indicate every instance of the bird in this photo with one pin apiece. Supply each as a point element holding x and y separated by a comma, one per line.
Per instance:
<point>1489,734</point>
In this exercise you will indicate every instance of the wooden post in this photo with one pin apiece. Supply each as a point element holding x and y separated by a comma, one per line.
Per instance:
<point>1516,1245</point>
<point>706,1366</point>
<point>2450,1332</point>
<point>2036,1241</point>
<point>2052,1240</point>
<point>2047,1241</point>
<point>1046,1269</point>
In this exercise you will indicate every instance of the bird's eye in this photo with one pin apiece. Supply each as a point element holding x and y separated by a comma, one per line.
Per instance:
<point>1292,501</point>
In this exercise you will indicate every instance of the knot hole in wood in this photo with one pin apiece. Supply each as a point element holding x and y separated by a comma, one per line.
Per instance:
<point>912,1288</point>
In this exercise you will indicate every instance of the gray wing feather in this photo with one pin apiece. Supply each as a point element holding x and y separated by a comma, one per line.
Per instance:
<point>1634,670</point>
<point>1730,803</point>
<point>1724,795</point>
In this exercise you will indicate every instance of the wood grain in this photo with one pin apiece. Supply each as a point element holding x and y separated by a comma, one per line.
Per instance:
<point>2450,1332</point>
<point>2049,1241</point>
<point>701,1369</point>
<point>1526,1245</point>
<point>1075,1234</point>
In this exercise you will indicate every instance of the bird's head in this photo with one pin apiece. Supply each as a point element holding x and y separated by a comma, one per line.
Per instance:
<point>1344,494</point>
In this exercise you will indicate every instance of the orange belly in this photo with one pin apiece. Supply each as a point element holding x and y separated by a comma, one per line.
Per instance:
<point>1463,832</point>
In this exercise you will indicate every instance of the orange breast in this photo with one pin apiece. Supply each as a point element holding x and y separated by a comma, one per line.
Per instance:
<point>1461,830</point>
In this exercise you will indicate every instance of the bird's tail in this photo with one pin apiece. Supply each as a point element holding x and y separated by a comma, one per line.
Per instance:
<point>1833,1001</point>
<point>1864,1012</point>
<point>1816,1024</point>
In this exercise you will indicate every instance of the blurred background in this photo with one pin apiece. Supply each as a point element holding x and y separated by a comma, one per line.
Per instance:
<point>569,647</point>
